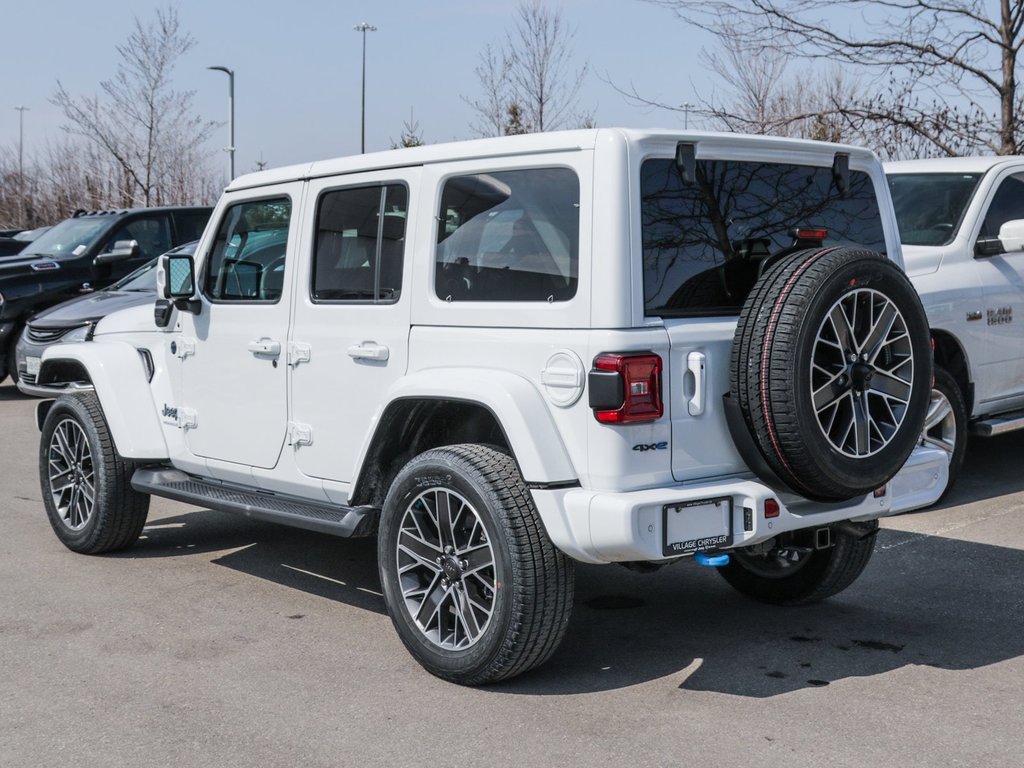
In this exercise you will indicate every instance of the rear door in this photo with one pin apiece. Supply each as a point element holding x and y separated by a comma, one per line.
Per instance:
<point>350,339</point>
<point>705,244</point>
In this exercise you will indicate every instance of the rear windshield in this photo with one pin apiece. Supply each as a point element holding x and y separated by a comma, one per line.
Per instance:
<point>705,243</point>
<point>930,206</point>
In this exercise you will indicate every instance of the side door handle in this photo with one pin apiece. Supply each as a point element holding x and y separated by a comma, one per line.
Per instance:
<point>369,350</point>
<point>265,347</point>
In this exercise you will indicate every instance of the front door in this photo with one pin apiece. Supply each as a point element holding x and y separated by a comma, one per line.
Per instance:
<point>232,354</point>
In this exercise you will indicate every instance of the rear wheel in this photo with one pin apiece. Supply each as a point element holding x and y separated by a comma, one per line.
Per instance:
<point>86,485</point>
<point>788,570</point>
<point>475,589</point>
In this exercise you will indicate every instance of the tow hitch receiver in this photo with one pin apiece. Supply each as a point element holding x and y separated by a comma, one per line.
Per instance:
<point>712,559</point>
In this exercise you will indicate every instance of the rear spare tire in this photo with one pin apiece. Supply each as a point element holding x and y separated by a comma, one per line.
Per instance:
<point>831,370</point>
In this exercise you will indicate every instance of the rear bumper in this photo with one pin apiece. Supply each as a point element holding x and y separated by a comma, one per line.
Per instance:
<point>607,526</point>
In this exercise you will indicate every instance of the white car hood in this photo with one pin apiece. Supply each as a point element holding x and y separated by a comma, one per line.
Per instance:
<point>923,259</point>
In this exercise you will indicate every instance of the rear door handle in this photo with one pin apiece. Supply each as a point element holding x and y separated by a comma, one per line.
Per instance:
<point>696,364</point>
<point>369,350</point>
<point>265,347</point>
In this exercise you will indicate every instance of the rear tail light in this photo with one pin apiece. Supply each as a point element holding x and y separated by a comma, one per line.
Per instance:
<point>771,508</point>
<point>626,389</point>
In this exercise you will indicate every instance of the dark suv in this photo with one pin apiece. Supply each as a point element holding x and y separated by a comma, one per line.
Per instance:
<point>90,250</point>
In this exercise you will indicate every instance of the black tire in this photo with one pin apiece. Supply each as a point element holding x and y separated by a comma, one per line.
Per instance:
<point>785,573</point>
<point>829,425</point>
<point>945,425</point>
<point>502,567</point>
<point>86,485</point>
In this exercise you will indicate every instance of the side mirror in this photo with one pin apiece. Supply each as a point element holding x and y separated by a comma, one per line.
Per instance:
<point>176,281</point>
<point>1011,234</point>
<point>123,249</point>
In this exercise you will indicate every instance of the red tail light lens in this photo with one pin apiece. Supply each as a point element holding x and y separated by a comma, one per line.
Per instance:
<point>639,386</point>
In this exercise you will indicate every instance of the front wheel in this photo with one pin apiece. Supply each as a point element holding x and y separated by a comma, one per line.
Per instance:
<point>789,570</point>
<point>86,485</point>
<point>945,426</point>
<point>474,587</point>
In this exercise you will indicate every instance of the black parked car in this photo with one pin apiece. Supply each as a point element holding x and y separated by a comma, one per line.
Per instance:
<point>88,251</point>
<point>74,319</point>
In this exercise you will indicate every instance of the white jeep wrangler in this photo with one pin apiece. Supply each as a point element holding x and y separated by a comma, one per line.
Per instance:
<point>501,356</point>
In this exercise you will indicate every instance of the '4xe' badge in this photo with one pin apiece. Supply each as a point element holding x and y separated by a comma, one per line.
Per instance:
<point>644,447</point>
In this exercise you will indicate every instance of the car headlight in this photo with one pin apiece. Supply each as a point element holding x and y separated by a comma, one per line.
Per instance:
<point>79,334</point>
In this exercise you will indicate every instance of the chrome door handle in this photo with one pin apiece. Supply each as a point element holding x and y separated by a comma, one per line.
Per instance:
<point>267,347</point>
<point>369,350</point>
<point>696,365</point>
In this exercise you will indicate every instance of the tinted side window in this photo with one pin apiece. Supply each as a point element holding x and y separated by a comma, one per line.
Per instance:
<point>1007,204</point>
<point>509,236</point>
<point>152,233</point>
<point>359,252</point>
<point>191,225</point>
<point>248,258</point>
<point>706,243</point>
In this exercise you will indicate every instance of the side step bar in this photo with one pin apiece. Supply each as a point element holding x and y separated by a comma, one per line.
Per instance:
<point>1004,422</point>
<point>259,505</point>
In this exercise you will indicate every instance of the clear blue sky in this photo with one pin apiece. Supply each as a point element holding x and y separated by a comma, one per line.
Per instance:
<point>297,66</point>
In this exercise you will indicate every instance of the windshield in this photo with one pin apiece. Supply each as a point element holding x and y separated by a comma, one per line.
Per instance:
<point>70,238</point>
<point>144,278</point>
<point>930,206</point>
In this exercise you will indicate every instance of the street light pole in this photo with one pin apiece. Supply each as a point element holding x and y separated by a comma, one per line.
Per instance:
<point>364,28</point>
<point>231,120</point>
<point>21,164</point>
<point>687,106</point>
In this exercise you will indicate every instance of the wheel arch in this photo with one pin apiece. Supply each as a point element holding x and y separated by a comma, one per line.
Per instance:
<point>447,407</point>
<point>950,354</point>
<point>120,379</point>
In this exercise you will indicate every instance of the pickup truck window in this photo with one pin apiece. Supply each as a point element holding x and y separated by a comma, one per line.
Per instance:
<point>1007,205</point>
<point>152,233</point>
<point>930,206</point>
<point>247,263</point>
<point>64,240</point>
<point>705,243</point>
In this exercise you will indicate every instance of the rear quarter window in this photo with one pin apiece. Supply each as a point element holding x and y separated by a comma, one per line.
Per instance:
<point>705,243</point>
<point>509,236</point>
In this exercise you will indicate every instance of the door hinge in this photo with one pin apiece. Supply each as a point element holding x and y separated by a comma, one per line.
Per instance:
<point>299,434</point>
<point>183,347</point>
<point>187,418</point>
<point>298,353</point>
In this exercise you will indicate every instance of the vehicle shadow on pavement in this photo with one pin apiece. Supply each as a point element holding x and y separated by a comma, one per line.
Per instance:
<point>344,570</point>
<point>924,600</point>
<point>10,392</point>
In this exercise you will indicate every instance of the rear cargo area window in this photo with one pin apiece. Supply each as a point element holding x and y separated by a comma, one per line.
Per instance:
<point>706,242</point>
<point>509,236</point>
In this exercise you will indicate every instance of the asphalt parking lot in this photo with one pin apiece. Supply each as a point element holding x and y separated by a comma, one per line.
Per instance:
<point>219,641</point>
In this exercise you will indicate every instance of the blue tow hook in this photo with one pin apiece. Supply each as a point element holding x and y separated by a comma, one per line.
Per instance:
<point>716,560</point>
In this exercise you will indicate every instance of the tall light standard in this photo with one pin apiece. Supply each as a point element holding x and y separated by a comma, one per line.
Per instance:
<point>21,164</point>
<point>364,28</point>
<point>687,106</point>
<point>231,119</point>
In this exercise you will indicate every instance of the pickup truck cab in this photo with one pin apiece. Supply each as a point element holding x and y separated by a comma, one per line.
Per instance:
<point>961,225</point>
<point>507,355</point>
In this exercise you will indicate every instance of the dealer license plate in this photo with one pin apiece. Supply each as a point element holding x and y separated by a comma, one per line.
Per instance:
<point>695,526</point>
<point>32,365</point>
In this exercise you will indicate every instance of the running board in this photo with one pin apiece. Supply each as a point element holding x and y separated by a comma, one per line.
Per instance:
<point>1004,422</point>
<point>258,505</point>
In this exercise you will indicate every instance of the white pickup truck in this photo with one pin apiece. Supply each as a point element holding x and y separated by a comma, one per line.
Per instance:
<point>961,224</point>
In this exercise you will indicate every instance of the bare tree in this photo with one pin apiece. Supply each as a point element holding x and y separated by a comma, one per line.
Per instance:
<point>145,127</point>
<point>924,57</point>
<point>533,71</point>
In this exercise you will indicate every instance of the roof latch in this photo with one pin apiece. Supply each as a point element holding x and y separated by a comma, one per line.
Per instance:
<point>841,172</point>
<point>686,161</point>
